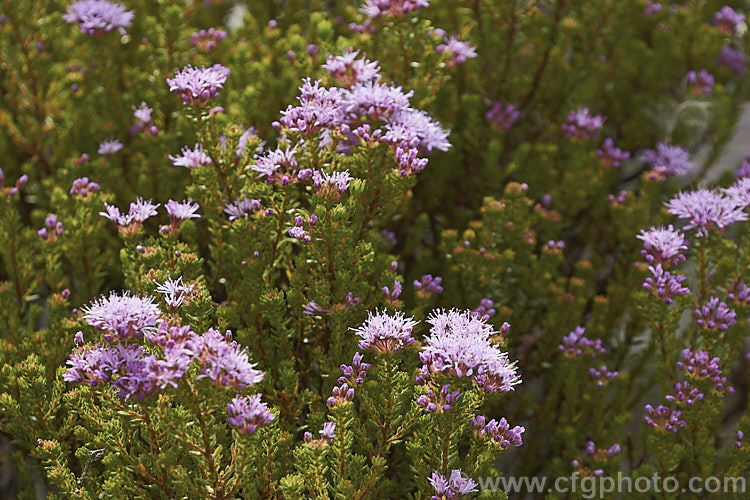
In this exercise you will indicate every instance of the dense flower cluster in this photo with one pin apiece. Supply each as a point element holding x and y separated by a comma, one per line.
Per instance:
<point>207,40</point>
<point>602,375</point>
<point>429,285</point>
<point>733,59</point>
<point>363,111</point>
<point>485,310</point>
<point>663,245</point>
<point>582,125</point>
<point>684,394</point>
<point>52,228</point>
<point>198,85</point>
<point>123,316</point>
<point>664,419</point>
<point>714,315</point>
<point>131,222</point>
<point>460,345</point>
<point>502,116</point>
<point>727,20</point>
<point>96,17</point>
<point>610,155</point>
<point>576,344</point>
<point>668,160</point>
<point>705,209</point>
<point>739,192</point>
<point>179,212</point>
<point>243,208</point>
<point>133,371</point>
<point>384,333</point>
<point>391,8</point>
<point>439,402</point>
<point>191,158</point>
<point>700,83</point>
<point>225,362</point>
<point>664,284</point>
<point>454,487</point>
<point>499,432</point>
<point>348,70</point>
<point>248,414</point>
<point>457,50</point>
<point>83,187</point>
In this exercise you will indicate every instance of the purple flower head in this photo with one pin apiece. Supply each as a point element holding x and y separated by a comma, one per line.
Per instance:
<point>122,316</point>
<point>278,167</point>
<point>739,293</point>
<point>355,373</point>
<point>411,128</point>
<point>96,17</point>
<point>652,8</point>
<point>327,433</point>
<point>610,155</point>
<point>485,310</point>
<point>663,245</point>
<point>582,125</point>
<point>685,394</point>
<point>243,208</point>
<point>225,362</point>
<point>143,113</point>
<point>52,228</point>
<point>82,187</point>
<point>319,108</point>
<point>739,192</point>
<point>248,414</point>
<point>602,375</point>
<point>198,85</point>
<point>179,212</point>
<point>499,432</point>
<point>701,83</point>
<point>457,486</point>
<point>727,20</point>
<point>502,116</point>
<point>460,345</point>
<point>109,147</point>
<point>576,344</point>
<point>458,51</point>
<point>207,40</point>
<point>744,170</point>
<point>732,59</point>
<point>706,209</point>
<point>440,402</point>
<point>332,185</point>
<point>131,222</point>
<point>668,160</point>
<point>340,396</point>
<point>375,9</point>
<point>391,296</point>
<point>348,70</point>
<point>378,101</point>
<point>715,315</point>
<point>665,285</point>
<point>428,286</point>
<point>385,334</point>
<point>135,370</point>
<point>191,159</point>
<point>174,292</point>
<point>664,419</point>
